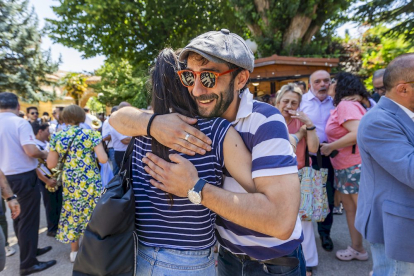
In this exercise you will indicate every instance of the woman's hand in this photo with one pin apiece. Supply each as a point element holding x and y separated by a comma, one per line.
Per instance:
<point>51,183</point>
<point>326,149</point>
<point>296,114</point>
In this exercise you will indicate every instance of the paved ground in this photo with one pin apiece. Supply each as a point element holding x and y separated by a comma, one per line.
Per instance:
<point>328,264</point>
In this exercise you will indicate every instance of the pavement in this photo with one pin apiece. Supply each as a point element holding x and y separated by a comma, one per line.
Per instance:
<point>328,264</point>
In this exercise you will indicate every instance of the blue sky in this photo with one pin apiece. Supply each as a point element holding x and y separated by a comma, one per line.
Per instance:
<point>71,58</point>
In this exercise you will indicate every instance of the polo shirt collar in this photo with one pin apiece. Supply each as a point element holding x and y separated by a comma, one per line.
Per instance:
<point>246,105</point>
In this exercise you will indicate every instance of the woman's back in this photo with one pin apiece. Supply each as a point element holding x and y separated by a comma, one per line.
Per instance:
<point>182,225</point>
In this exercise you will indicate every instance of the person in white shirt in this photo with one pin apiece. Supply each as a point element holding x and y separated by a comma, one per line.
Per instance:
<point>120,142</point>
<point>18,163</point>
<point>51,200</point>
<point>106,136</point>
<point>88,119</point>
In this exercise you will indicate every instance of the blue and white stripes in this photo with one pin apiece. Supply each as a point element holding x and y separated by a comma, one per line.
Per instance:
<point>265,134</point>
<point>183,225</point>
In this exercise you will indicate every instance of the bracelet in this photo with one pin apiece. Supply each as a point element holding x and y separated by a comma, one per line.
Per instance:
<point>150,123</point>
<point>11,198</point>
<point>311,128</point>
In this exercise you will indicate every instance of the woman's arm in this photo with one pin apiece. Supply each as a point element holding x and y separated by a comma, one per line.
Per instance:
<point>347,140</point>
<point>238,160</point>
<point>312,139</point>
<point>101,154</point>
<point>52,159</point>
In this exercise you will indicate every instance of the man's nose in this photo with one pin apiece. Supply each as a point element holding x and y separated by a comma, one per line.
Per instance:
<point>198,88</point>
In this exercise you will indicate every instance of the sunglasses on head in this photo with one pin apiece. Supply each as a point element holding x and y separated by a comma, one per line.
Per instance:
<point>33,113</point>
<point>207,78</point>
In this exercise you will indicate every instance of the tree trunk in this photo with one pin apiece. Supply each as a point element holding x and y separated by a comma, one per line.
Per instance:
<point>298,27</point>
<point>262,6</point>
<point>313,29</point>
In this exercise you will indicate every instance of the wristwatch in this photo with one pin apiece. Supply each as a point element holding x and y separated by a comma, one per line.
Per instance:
<point>11,198</point>
<point>311,128</point>
<point>194,194</point>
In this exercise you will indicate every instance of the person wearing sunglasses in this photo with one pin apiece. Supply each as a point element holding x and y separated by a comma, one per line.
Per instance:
<point>259,232</point>
<point>32,114</point>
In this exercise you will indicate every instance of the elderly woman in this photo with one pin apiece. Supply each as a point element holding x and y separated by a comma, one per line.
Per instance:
<point>82,185</point>
<point>302,129</point>
<point>341,130</point>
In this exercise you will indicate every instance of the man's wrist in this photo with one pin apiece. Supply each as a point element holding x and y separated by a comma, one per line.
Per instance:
<point>11,198</point>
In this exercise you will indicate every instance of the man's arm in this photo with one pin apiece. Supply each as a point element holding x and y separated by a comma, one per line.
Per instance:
<point>169,129</point>
<point>272,210</point>
<point>126,141</point>
<point>6,193</point>
<point>32,151</point>
<point>389,146</point>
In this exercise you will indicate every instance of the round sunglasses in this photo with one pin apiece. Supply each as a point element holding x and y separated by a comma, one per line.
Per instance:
<point>207,78</point>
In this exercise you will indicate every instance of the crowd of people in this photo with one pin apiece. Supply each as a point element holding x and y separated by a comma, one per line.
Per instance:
<point>211,164</point>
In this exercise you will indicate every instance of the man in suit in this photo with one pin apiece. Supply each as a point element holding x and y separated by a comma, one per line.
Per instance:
<point>385,214</point>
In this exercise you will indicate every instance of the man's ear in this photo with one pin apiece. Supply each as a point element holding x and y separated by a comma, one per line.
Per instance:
<point>401,89</point>
<point>242,79</point>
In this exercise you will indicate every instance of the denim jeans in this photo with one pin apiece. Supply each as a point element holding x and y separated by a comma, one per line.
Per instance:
<point>230,265</point>
<point>111,153</point>
<point>384,266</point>
<point>157,261</point>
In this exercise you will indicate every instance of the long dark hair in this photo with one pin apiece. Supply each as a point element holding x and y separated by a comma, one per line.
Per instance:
<point>348,85</point>
<point>168,94</point>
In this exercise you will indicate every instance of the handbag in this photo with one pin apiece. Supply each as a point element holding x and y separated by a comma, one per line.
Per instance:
<point>110,242</point>
<point>58,172</point>
<point>313,197</point>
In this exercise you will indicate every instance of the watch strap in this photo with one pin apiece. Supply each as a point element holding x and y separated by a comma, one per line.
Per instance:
<point>199,185</point>
<point>11,198</point>
<point>311,128</point>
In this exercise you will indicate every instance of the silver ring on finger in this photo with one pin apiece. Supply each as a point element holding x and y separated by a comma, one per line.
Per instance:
<point>186,137</point>
<point>297,114</point>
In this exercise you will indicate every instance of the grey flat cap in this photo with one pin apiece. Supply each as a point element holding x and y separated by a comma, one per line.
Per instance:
<point>217,46</point>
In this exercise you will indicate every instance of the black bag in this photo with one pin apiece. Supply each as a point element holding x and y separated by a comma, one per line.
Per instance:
<point>110,242</point>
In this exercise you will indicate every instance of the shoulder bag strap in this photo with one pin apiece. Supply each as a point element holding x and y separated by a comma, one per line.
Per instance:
<point>307,157</point>
<point>319,158</point>
<point>127,156</point>
<point>70,144</point>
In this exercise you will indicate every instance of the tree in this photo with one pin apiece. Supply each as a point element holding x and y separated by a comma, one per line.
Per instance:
<point>74,85</point>
<point>120,81</point>
<point>136,30</point>
<point>398,14</point>
<point>371,51</point>
<point>95,106</point>
<point>288,27</point>
<point>23,65</point>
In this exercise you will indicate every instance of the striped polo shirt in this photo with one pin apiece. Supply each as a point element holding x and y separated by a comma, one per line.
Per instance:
<point>183,225</point>
<point>265,134</point>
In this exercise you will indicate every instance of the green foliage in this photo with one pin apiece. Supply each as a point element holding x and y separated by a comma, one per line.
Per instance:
<point>23,65</point>
<point>122,82</point>
<point>95,106</point>
<point>136,30</point>
<point>74,85</point>
<point>378,50</point>
<point>291,27</point>
<point>396,13</point>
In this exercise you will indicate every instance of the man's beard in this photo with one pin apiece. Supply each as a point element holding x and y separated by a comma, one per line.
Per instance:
<point>223,101</point>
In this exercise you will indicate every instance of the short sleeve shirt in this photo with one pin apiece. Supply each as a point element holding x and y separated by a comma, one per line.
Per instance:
<point>345,111</point>
<point>116,140</point>
<point>15,132</point>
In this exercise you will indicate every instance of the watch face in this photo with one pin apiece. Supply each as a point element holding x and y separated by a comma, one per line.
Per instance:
<point>194,197</point>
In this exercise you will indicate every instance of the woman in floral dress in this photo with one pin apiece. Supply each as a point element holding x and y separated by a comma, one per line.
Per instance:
<point>82,184</point>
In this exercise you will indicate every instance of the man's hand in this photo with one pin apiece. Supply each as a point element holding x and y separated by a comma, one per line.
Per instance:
<point>174,178</point>
<point>326,149</point>
<point>171,129</point>
<point>51,183</point>
<point>14,208</point>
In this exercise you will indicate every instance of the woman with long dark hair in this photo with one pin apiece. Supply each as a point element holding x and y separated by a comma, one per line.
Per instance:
<point>176,237</point>
<point>341,130</point>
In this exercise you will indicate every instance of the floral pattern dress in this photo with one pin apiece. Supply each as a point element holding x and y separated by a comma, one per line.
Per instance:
<point>82,185</point>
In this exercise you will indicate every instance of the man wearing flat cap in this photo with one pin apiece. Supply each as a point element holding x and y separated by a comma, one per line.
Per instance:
<point>260,232</point>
